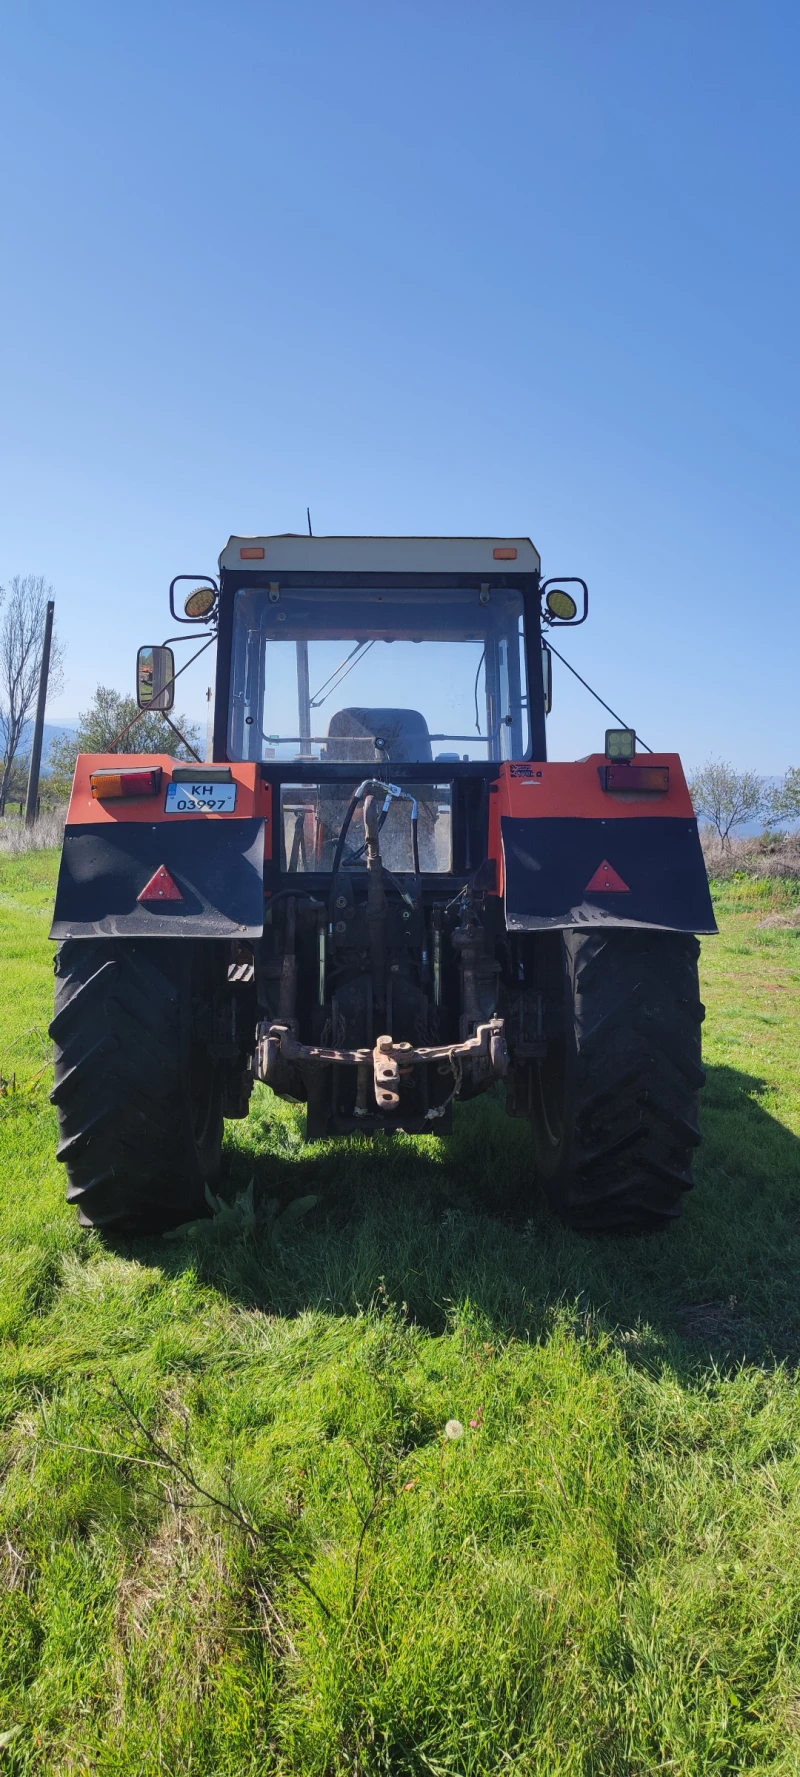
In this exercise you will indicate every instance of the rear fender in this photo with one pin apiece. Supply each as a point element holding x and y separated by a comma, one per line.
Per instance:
<point>113,848</point>
<point>570,853</point>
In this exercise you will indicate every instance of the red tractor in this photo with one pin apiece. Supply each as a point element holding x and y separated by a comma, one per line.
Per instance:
<point>379,895</point>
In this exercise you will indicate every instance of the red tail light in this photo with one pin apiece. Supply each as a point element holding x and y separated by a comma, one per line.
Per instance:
<point>109,784</point>
<point>635,777</point>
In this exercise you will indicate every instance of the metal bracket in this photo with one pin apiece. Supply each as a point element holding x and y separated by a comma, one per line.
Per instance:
<point>386,1075</point>
<point>564,622</point>
<point>209,581</point>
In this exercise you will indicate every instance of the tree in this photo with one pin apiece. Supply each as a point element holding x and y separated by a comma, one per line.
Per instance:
<point>21,637</point>
<point>17,782</point>
<point>785,799</point>
<point>100,731</point>
<point>727,797</point>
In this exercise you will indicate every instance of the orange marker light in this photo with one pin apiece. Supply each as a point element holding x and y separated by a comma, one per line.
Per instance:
<point>252,554</point>
<point>504,554</point>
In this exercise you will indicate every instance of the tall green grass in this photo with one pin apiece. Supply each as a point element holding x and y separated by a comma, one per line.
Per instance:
<point>599,1576</point>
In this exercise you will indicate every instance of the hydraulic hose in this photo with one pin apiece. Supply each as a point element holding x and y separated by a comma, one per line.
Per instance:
<point>372,787</point>
<point>369,787</point>
<point>415,846</point>
<point>376,905</point>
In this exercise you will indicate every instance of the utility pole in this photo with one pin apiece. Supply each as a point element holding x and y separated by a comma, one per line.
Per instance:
<point>32,802</point>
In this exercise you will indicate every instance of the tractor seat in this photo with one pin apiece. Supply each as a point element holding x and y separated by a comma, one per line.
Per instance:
<point>404,734</point>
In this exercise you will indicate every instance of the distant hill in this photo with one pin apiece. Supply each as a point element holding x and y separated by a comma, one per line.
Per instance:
<point>52,731</point>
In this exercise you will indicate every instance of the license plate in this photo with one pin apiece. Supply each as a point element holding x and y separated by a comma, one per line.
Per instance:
<point>200,798</point>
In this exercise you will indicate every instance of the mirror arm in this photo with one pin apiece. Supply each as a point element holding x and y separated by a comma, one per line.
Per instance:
<point>126,730</point>
<point>181,737</point>
<point>199,636</point>
<point>187,663</point>
<point>595,694</point>
<point>173,726</point>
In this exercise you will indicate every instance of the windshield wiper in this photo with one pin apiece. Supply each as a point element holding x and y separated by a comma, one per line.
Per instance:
<point>361,648</point>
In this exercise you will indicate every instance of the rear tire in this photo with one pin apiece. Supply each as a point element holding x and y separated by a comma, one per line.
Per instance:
<point>139,1097</point>
<point>615,1103</point>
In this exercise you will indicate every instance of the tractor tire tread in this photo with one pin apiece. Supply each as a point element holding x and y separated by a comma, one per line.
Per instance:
<point>126,1134</point>
<point>636,1074</point>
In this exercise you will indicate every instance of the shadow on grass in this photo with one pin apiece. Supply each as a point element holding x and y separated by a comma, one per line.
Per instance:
<point>457,1230</point>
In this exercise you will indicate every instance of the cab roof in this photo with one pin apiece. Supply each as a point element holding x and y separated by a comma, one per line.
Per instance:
<point>291,552</point>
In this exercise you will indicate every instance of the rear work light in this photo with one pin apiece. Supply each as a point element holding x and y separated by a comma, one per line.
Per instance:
<point>108,784</point>
<point>635,777</point>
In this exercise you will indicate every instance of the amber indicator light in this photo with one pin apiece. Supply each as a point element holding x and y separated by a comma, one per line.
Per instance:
<point>252,554</point>
<point>504,554</point>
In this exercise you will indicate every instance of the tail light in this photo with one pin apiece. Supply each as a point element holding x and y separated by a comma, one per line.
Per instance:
<point>635,777</point>
<point>109,784</point>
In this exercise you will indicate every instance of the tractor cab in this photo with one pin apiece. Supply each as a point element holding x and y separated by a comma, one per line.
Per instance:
<point>381,654</point>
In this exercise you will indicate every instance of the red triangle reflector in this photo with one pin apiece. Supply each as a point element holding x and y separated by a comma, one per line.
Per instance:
<point>161,887</point>
<point>606,881</point>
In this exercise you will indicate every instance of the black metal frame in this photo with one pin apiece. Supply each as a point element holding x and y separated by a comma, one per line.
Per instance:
<point>209,580</point>
<point>563,622</point>
<point>528,585</point>
<point>466,858</point>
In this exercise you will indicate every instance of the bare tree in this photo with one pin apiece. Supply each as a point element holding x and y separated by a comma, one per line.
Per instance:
<point>21,636</point>
<point>727,797</point>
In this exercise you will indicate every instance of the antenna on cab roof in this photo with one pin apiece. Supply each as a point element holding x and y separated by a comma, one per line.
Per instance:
<point>308,516</point>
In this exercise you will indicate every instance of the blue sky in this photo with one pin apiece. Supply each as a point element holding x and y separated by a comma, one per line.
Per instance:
<point>428,267</point>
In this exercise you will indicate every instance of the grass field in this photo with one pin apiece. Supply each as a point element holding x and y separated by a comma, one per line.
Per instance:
<point>600,1576</point>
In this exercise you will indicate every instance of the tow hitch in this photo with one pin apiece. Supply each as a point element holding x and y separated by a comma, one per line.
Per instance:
<point>484,1055</point>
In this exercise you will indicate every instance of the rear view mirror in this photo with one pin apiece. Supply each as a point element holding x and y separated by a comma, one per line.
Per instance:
<point>155,678</point>
<point>547,675</point>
